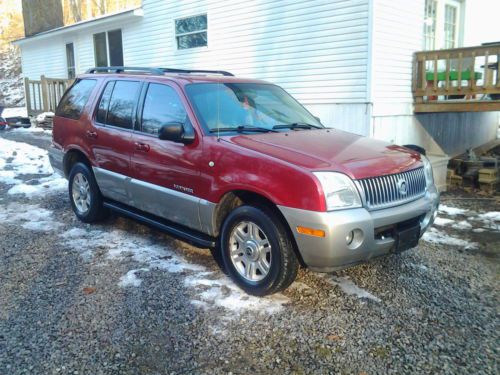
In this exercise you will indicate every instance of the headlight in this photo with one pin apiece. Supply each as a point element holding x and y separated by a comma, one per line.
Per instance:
<point>429,176</point>
<point>339,190</point>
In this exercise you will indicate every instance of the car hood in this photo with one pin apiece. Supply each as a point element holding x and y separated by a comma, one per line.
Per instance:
<point>332,150</point>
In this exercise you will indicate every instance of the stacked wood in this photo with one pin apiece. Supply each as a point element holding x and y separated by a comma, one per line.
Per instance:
<point>488,180</point>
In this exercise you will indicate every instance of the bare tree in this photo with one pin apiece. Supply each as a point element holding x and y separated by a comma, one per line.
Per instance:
<point>76,10</point>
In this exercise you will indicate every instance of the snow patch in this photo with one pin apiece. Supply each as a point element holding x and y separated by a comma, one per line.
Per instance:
<point>438,237</point>
<point>30,216</point>
<point>23,158</point>
<point>47,185</point>
<point>451,211</point>
<point>348,287</point>
<point>32,129</point>
<point>492,216</point>
<point>18,159</point>
<point>210,290</point>
<point>45,116</point>
<point>224,293</point>
<point>462,225</point>
<point>14,112</point>
<point>442,221</point>
<point>131,279</point>
<point>419,266</point>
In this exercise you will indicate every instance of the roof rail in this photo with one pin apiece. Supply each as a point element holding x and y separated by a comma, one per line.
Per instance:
<point>158,71</point>
<point>123,69</point>
<point>187,71</point>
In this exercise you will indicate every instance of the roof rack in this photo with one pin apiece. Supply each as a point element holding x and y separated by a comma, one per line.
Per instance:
<point>187,71</point>
<point>123,69</point>
<point>157,71</point>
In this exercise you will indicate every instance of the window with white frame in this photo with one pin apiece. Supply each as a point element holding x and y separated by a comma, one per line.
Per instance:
<point>70,60</point>
<point>430,24</point>
<point>108,49</point>
<point>191,32</point>
<point>450,26</point>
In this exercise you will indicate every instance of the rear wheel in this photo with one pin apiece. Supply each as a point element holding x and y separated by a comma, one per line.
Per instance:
<point>257,251</point>
<point>84,194</point>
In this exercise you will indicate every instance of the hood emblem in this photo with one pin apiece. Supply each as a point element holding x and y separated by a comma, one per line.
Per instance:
<point>402,187</point>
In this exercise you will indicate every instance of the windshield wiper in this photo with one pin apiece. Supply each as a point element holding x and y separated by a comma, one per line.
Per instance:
<point>243,128</point>
<point>297,125</point>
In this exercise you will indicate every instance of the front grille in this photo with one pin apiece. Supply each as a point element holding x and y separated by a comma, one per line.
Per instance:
<point>386,191</point>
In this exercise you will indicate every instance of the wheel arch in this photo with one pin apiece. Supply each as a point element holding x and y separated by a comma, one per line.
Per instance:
<point>73,156</point>
<point>236,198</point>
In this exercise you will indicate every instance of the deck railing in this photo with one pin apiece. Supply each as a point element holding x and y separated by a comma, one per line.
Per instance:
<point>44,94</point>
<point>453,79</point>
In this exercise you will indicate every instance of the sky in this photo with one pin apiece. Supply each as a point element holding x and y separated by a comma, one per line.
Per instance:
<point>482,23</point>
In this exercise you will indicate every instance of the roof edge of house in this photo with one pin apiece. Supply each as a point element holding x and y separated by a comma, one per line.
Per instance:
<point>137,12</point>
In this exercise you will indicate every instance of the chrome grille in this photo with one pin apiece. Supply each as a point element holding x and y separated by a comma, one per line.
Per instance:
<point>386,191</point>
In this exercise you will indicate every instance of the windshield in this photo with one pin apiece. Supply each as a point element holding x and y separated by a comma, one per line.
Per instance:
<point>246,105</point>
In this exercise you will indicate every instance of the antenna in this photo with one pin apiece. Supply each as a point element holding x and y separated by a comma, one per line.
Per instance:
<point>218,109</point>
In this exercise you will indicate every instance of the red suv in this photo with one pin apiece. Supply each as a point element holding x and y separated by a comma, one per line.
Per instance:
<point>240,166</point>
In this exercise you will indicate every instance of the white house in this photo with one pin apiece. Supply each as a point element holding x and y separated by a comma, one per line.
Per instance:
<point>348,61</point>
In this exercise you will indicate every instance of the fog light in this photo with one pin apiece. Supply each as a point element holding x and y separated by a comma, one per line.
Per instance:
<point>349,237</point>
<point>354,239</point>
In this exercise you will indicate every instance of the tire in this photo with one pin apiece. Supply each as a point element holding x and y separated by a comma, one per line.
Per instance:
<point>84,195</point>
<point>257,252</point>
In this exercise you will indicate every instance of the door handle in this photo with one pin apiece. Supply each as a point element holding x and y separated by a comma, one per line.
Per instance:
<point>91,134</point>
<point>141,146</point>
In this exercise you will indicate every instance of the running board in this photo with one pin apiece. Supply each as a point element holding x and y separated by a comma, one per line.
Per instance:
<point>184,233</point>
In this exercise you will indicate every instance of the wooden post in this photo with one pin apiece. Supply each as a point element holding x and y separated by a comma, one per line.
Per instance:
<point>423,81</point>
<point>436,82</point>
<point>447,72</point>
<point>27,95</point>
<point>45,94</point>
<point>459,78</point>
<point>473,73</point>
<point>486,71</point>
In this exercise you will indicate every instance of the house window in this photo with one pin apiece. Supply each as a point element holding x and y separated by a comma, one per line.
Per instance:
<point>450,26</point>
<point>191,32</point>
<point>108,47</point>
<point>430,24</point>
<point>70,60</point>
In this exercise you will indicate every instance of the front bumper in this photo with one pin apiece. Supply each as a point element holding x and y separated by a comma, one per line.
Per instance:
<point>330,253</point>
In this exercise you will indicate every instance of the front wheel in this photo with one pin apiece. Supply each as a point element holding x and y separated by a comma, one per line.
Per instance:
<point>257,251</point>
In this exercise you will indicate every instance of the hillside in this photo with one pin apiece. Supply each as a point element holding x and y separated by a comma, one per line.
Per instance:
<point>11,82</point>
<point>11,28</point>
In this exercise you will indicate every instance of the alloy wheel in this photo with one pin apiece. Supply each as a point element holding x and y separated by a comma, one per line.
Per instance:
<point>250,251</point>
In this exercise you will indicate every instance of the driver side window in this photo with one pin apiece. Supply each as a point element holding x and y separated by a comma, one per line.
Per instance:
<point>162,105</point>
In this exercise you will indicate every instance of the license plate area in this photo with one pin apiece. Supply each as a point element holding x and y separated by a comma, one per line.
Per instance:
<point>407,238</point>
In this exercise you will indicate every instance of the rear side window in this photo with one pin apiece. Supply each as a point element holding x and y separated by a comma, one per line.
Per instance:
<point>102,110</point>
<point>162,105</point>
<point>120,109</point>
<point>73,102</point>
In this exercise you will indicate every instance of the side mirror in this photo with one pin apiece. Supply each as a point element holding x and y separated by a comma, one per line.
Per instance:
<point>317,119</point>
<point>174,131</point>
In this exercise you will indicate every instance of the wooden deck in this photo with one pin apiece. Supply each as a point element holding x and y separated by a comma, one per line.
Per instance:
<point>44,94</point>
<point>457,80</point>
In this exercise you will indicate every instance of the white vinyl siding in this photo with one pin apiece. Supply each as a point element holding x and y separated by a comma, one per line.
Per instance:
<point>47,59</point>
<point>397,34</point>
<point>317,50</point>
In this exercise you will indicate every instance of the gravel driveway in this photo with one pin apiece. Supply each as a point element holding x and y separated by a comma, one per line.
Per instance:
<point>120,298</point>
